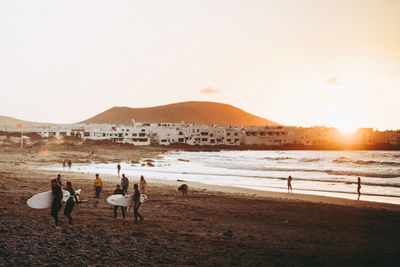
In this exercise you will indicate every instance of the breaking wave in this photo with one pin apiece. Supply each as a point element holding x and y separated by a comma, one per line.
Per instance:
<point>365,162</point>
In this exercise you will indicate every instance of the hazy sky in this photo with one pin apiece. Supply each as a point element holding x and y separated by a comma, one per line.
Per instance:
<point>333,63</point>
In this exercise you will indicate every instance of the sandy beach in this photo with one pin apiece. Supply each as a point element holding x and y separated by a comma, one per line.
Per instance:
<point>213,226</point>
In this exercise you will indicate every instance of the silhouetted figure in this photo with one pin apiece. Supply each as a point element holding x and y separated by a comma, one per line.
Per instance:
<point>64,164</point>
<point>69,164</point>
<point>59,182</point>
<point>119,191</point>
<point>70,202</point>
<point>289,184</point>
<point>136,203</point>
<point>118,169</point>
<point>359,188</point>
<point>57,200</point>
<point>125,183</point>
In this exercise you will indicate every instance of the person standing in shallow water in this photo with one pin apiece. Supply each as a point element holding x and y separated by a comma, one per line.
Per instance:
<point>118,169</point>
<point>289,184</point>
<point>57,200</point>
<point>70,202</point>
<point>359,188</point>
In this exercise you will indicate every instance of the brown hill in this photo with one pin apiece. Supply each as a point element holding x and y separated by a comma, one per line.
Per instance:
<point>10,124</point>
<point>206,113</point>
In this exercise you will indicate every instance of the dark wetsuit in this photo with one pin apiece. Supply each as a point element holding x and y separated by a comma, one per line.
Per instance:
<point>70,204</point>
<point>119,192</point>
<point>136,206</point>
<point>56,205</point>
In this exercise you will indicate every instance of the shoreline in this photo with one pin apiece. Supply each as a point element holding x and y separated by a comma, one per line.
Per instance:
<point>332,197</point>
<point>213,226</point>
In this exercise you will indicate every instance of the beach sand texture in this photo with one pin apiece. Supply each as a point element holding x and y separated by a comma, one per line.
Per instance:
<point>207,228</point>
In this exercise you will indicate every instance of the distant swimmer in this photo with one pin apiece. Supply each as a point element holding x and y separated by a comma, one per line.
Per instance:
<point>98,185</point>
<point>289,184</point>
<point>70,202</point>
<point>57,200</point>
<point>118,169</point>
<point>359,188</point>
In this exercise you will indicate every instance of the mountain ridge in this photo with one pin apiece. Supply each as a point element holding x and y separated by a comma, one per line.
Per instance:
<point>197,112</point>
<point>10,124</point>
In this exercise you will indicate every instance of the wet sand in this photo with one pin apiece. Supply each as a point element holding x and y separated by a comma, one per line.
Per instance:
<point>213,226</point>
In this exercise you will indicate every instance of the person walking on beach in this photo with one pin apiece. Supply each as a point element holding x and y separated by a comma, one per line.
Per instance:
<point>98,185</point>
<point>136,203</point>
<point>359,188</point>
<point>59,182</point>
<point>289,184</point>
<point>57,200</point>
<point>142,184</point>
<point>69,164</point>
<point>64,163</point>
<point>119,191</point>
<point>118,169</point>
<point>70,202</point>
<point>124,183</point>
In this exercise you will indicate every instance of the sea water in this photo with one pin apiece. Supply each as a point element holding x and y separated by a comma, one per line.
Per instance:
<point>326,173</point>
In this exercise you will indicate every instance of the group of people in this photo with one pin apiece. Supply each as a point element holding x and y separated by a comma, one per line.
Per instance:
<point>56,185</point>
<point>121,189</point>
<point>67,162</point>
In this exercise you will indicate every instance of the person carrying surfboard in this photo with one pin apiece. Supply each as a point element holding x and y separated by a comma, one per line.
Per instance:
<point>70,202</point>
<point>136,203</point>
<point>57,200</point>
<point>59,180</point>
<point>98,185</point>
<point>119,191</point>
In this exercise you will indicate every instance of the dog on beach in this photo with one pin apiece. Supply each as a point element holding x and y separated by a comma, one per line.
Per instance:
<point>184,189</point>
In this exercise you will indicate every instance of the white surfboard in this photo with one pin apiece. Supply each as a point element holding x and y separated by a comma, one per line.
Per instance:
<point>43,200</point>
<point>127,201</point>
<point>111,199</point>
<point>124,201</point>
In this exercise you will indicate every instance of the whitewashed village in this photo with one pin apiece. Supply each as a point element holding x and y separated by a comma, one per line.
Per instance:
<point>203,135</point>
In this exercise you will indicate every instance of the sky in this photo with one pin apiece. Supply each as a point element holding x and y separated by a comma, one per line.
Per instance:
<point>296,62</point>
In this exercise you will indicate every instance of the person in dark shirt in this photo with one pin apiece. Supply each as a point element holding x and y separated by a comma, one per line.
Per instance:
<point>59,182</point>
<point>136,203</point>
<point>69,164</point>
<point>125,183</point>
<point>119,191</point>
<point>57,200</point>
<point>70,202</point>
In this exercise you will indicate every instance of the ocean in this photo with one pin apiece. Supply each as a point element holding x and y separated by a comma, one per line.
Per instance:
<point>326,173</point>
